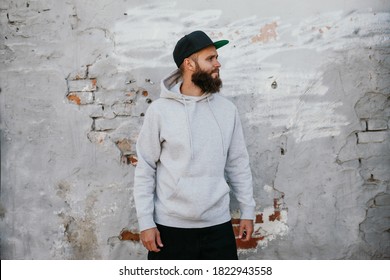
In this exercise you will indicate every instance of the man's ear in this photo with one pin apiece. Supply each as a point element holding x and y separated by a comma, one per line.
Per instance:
<point>189,64</point>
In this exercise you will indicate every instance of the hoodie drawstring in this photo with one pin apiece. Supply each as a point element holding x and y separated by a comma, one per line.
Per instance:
<point>220,129</point>
<point>188,127</point>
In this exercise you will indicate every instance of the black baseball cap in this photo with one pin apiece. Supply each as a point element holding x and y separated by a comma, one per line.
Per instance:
<point>192,43</point>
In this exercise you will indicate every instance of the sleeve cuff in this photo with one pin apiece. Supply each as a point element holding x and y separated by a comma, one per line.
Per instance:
<point>247,213</point>
<point>146,222</point>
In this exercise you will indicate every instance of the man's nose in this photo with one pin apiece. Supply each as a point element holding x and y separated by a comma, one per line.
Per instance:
<point>217,64</point>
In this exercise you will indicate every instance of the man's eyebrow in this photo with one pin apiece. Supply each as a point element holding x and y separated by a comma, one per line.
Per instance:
<point>212,56</point>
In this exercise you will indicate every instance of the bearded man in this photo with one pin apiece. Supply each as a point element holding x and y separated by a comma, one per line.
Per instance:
<point>190,145</point>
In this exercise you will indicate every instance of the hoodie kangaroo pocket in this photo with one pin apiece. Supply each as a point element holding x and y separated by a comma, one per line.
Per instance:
<point>199,198</point>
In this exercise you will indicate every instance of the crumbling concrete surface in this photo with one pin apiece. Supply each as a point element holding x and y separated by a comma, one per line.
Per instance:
<point>312,86</point>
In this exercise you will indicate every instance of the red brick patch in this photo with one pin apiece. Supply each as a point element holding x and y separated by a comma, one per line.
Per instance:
<point>251,244</point>
<point>130,159</point>
<point>128,235</point>
<point>259,219</point>
<point>275,216</point>
<point>74,98</point>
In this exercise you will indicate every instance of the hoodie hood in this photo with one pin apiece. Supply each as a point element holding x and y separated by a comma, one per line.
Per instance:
<point>168,83</point>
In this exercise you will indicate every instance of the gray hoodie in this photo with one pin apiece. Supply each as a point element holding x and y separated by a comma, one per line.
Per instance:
<point>187,151</point>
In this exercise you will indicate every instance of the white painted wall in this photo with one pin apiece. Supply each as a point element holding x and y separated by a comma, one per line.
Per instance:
<point>311,82</point>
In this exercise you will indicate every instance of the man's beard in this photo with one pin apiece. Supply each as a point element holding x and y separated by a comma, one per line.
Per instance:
<point>205,81</point>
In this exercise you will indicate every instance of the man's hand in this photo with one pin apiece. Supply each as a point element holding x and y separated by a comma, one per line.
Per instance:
<point>151,239</point>
<point>246,230</point>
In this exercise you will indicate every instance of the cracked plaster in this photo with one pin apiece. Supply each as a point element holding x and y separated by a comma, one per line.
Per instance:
<point>310,85</point>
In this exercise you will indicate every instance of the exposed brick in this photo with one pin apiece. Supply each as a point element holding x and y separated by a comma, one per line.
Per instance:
<point>276,203</point>
<point>376,124</point>
<point>74,98</point>
<point>251,244</point>
<point>372,137</point>
<point>107,124</point>
<point>82,85</point>
<point>79,75</point>
<point>123,109</point>
<point>368,150</point>
<point>100,111</point>
<point>382,200</point>
<point>128,235</point>
<point>96,112</point>
<point>130,159</point>
<point>109,98</point>
<point>81,98</point>
<point>275,216</point>
<point>259,219</point>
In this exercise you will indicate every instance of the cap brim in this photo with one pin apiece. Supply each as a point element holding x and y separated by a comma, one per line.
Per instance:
<point>220,43</point>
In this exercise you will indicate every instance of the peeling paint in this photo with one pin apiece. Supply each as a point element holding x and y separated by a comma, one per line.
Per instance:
<point>267,33</point>
<point>311,86</point>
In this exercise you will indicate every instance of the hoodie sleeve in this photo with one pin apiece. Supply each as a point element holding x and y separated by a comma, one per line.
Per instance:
<point>238,172</point>
<point>148,152</point>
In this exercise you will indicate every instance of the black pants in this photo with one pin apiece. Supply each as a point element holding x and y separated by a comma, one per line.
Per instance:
<point>211,243</point>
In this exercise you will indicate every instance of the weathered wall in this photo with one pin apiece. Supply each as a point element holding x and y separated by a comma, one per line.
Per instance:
<point>310,79</point>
